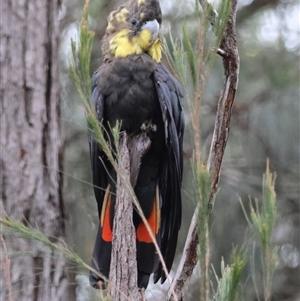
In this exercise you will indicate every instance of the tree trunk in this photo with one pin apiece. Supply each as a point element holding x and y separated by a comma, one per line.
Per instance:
<point>31,158</point>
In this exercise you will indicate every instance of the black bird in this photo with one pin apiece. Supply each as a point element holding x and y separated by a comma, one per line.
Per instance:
<point>134,87</point>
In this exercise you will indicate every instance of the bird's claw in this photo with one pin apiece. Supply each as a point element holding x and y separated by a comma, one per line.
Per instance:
<point>148,126</point>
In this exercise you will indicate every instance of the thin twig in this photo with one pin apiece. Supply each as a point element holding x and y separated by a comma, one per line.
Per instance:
<point>221,52</point>
<point>219,141</point>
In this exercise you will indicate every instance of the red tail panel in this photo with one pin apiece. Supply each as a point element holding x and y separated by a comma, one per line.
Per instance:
<point>142,234</point>
<point>105,217</point>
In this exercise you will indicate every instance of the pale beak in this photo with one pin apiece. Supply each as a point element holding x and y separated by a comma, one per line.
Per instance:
<point>153,27</point>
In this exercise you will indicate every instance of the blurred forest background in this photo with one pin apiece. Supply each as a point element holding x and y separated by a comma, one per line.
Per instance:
<point>265,124</point>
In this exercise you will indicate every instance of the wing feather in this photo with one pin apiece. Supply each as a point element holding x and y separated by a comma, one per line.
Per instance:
<point>169,92</point>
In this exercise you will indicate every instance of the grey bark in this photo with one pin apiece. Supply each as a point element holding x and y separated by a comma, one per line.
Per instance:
<point>30,149</point>
<point>123,267</point>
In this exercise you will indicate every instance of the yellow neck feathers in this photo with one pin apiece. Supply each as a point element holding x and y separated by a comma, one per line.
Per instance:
<point>122,46</point>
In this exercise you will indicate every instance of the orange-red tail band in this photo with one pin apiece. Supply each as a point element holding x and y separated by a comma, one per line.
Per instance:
<point>142,234</point>
<point>107,234</point>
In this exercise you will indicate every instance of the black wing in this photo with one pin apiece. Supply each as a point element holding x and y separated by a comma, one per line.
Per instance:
<point>169,92</point>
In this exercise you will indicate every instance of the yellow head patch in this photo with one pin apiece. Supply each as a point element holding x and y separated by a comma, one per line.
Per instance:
<point>122,46</point>
<point>117,19</point>
<point>121,16</point>
<point>134,29</point>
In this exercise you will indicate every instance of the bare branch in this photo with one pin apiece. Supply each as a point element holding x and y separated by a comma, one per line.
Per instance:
<point>219,141</point>
<point>123,266</point>
<point>231,64</point>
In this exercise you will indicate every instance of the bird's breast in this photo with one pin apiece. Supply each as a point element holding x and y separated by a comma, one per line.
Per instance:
<point>130,93</point>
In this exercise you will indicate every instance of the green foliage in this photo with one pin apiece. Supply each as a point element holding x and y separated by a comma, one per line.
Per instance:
<point>231,275</point>
<point>193,61</point>
<point>202,193</point>
<point>176,56</point>
<point>262,220</point>
<point>81,57</point>
<point>11,226</point>
<point>221,20</point>
<point>80,73</point>
<point>35,234</point>
<point>185,52</point>
<point>202,189</point>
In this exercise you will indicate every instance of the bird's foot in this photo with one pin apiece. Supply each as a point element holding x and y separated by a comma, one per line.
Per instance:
<point>148,126</point>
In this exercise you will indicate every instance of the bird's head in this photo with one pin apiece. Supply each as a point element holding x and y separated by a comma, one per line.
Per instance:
<point>134,29</point>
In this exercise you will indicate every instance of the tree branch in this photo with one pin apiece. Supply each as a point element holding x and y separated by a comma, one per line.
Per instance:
<point>231,63</point>
<point>221,132</point>
<point>123,267</point>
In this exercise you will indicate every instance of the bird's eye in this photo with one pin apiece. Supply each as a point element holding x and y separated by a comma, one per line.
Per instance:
<point>134,22</point>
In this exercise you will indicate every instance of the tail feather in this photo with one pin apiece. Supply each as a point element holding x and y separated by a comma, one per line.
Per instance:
<point>147,257</point>
<point>101,260</point>
<point>102,249</point>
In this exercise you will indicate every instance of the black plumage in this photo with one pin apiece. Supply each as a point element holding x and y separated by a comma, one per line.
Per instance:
<point>137,90</point>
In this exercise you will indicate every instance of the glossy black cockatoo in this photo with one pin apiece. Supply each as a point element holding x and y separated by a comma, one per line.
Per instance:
<point>133,86</point>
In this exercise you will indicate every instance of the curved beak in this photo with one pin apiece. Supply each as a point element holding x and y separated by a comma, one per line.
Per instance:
<point>153,27</point>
